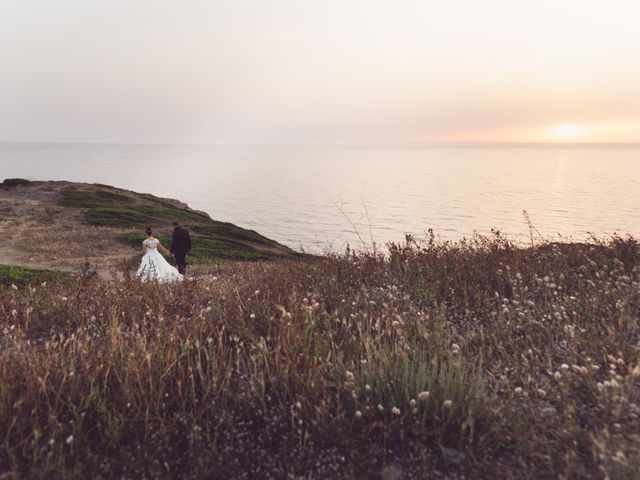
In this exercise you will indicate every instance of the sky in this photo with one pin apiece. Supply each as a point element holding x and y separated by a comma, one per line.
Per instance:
<point>331,71</point>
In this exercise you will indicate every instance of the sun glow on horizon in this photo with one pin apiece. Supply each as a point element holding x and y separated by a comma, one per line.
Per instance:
<point>567,131</point>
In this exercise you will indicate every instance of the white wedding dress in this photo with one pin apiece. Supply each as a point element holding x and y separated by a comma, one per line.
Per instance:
<point>154,267</point>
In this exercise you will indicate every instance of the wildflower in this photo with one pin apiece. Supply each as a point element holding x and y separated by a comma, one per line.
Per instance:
<point>298,405</point>
<point>367,387</point>
<point>380,408</point>
<point>423,395</point>
<point>518,390</point>
<point>64,299</point>
<point>635,373</point>
<point>349,375</point>
<point>13,287</point>
<point>395,411</point>
<point>564,366</point>
<point>414,411</point>
<point>252,316</point>
<point>358,414</point>
<point>557,375</point>
<point>412,402</point>
<point>447,403</point>
<point>257,292</point>
<point>69,440</point>
<point>14,312</point>
<point>541,392</point>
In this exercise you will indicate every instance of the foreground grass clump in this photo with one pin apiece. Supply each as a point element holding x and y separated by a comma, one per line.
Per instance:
<point>21,276</point>
<point>469,359</point>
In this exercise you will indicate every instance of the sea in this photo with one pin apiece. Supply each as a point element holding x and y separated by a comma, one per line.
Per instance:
<point>319,198</point>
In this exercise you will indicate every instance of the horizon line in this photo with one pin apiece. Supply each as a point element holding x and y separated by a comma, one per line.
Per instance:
<point>328,144</point>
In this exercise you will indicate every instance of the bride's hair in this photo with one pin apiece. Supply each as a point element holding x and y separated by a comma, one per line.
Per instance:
<point>149,231</point>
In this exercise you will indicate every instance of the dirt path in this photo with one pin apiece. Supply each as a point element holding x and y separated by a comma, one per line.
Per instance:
<point>35,232</point>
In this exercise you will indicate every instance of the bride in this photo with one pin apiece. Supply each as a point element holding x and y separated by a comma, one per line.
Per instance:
<point>153,265</point>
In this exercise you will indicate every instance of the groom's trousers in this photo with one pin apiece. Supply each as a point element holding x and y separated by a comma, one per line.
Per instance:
<point>181,260</point>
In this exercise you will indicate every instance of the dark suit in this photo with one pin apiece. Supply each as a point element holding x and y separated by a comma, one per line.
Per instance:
<point>180,246</point>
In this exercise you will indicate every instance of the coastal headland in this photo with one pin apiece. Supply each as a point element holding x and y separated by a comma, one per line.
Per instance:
<point>64,225</point>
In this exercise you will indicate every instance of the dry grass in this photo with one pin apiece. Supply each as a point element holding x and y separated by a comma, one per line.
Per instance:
<point>320,368</point>
<point>65,246</point>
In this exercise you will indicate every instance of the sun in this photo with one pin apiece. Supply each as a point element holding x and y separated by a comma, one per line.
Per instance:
<point>566,131</point>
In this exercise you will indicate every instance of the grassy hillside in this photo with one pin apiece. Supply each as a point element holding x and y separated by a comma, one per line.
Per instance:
<point>109,207</point>
<point>476,359</point>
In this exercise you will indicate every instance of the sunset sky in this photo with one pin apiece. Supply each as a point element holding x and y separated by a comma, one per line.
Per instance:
<point>253,71</point>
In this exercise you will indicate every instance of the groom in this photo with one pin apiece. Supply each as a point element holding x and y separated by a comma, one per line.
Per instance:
<point>180,246</point>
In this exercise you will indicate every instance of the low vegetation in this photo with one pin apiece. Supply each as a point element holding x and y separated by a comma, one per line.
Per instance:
<point>469,359</point>
<point>203,249</point>
<point>21,276</point>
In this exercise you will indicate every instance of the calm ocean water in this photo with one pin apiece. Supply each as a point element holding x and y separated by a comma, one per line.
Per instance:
<point>317,197</point>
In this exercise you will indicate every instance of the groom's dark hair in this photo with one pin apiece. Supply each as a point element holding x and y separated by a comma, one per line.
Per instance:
<point>174,223</point>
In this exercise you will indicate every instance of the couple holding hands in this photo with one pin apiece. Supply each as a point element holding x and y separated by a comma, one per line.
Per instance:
<point>153,265</point>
